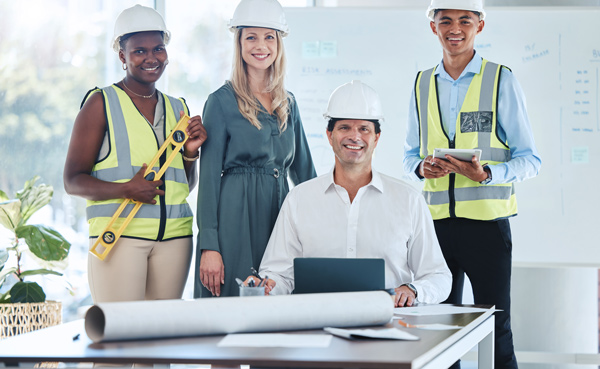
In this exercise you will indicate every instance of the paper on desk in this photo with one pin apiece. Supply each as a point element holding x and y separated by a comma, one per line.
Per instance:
<point>276,340</point>
<point>388,334</point>
<point>179,318</point>
<point>438,327</point>
<point>428,326</point>
<point>436,309</point>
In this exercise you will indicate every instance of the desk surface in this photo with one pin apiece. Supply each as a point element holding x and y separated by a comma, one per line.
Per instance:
<point>58,344</point>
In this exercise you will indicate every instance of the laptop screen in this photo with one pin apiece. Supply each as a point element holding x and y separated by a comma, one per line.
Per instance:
<point>316,275</point>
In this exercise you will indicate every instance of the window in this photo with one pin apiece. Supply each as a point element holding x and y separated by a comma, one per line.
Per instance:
<point>54,51</point>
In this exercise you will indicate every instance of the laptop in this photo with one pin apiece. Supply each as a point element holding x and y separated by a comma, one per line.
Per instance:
<point>317,275</point>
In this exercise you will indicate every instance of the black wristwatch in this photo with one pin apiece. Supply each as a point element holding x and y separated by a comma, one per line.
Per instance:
<point>489,175</point>
<point>410,287</point>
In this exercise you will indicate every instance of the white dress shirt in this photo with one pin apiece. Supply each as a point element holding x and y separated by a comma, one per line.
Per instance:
<point>388,219</point>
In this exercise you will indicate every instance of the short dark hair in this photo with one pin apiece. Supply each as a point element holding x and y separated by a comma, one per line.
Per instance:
<point>123,39</point>
<point>478,14</point>
<point>332,121</point>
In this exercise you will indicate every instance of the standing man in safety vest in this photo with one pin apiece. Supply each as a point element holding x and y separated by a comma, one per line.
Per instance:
<point>467,102</point>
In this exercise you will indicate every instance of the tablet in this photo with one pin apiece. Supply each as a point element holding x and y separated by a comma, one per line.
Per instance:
<point>460,154</point>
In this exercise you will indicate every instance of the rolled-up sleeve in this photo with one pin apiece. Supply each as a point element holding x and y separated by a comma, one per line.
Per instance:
<point>514,127</point>
<point>432,278</point>
<point>412,145</point>
<point>283,247</point>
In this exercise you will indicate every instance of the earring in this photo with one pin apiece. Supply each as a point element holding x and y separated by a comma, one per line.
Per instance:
<point>166,62</point>
<point>124,66</point>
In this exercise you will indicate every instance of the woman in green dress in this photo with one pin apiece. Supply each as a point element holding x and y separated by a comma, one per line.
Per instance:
<point>255,141</point>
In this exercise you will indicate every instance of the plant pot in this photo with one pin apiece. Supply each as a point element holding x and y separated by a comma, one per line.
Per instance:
<point>26,317</point>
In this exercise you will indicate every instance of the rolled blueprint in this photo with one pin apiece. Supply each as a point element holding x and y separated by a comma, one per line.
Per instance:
<point>179,318</point>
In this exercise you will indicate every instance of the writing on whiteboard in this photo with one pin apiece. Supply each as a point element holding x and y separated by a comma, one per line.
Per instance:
<point>332,71</point>
<point>535,56</point>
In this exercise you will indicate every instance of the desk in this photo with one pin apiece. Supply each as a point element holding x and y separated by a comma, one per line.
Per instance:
<point>435,349</point>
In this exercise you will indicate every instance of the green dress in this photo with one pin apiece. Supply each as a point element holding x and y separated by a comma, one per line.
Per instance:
<point>243,182</point>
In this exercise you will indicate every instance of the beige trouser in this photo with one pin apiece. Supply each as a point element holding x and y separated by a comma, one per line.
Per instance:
<point>140,270</point>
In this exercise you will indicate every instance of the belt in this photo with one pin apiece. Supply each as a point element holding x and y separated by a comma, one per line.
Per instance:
<point>275,172</point>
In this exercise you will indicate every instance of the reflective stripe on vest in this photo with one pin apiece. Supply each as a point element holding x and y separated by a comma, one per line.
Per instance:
<point>171,217</point>
<point>476,127</point>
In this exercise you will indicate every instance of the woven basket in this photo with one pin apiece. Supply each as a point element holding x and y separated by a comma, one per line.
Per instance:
<point>26,317</point>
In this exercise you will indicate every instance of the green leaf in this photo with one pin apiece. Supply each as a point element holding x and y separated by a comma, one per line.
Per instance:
<point>44,242</point>
<point>3,196</point>
<point>29,273</point>
<point>5,298</point>
<point>10,214</point>
<point>27,292</point>
<point>33,198</point>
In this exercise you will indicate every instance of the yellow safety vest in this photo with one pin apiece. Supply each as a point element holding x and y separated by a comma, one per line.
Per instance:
<point>130,146</point>
<point>456,196</point>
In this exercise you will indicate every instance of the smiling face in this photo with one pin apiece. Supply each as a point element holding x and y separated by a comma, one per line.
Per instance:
<point>259,48</point>
<point>353,142</point>
<point>456,30</point>
<point>145,55</point>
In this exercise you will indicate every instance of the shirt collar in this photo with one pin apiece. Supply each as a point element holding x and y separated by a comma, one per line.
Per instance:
<point>376,181</point>
<point>328,180</point>
<point>474,67</point>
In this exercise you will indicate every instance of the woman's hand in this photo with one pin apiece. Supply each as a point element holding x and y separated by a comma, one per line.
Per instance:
<point>212,271</point>
<point>197,136</point>
<point>141,190</point>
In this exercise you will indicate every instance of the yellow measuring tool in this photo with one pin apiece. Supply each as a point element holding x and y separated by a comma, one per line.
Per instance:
<point>110,235</point>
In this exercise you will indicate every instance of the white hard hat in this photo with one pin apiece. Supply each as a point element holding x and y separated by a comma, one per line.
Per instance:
<point>138,19</point>
<point>259,13</point>
<point>354,100</point>
<point>472,5</point>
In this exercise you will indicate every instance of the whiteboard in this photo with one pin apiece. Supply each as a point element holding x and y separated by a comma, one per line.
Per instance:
<point>553,52</point>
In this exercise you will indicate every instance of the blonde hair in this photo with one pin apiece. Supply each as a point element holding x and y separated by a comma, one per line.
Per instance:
<point>247,103</point>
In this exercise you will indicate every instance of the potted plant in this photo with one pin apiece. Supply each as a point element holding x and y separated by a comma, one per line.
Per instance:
<point>24,307</point>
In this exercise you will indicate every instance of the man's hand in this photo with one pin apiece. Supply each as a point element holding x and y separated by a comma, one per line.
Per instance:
<point>404,297</point>
<point>212,271</point>
<point>470,169</point>
<point>269,283</point>
<point>429,169</point>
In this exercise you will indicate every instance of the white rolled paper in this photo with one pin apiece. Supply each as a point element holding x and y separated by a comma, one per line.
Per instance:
<point>178,318</point>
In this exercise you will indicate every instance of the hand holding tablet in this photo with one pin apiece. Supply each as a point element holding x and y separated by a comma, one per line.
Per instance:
<point>460,154</point>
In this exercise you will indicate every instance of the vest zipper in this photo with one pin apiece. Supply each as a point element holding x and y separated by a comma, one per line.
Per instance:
<point>163,158</point>
<point>452,180</point>
<point>163,207</point>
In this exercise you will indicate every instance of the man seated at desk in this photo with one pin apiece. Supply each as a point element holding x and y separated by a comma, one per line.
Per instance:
<point>356,212</point>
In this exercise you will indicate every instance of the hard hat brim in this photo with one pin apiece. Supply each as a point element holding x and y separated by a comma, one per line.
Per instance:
<point>116,42</point>
<point>277,27</point>
<point>352,117</point>
<point>431,11</point>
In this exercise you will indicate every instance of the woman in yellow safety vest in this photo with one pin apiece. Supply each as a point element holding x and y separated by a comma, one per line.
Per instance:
<point>117,133</point>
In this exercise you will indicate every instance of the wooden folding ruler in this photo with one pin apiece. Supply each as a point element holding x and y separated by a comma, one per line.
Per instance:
<point>110,235</point>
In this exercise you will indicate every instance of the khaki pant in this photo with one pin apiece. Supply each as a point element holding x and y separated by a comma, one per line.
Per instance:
<point>140,270</point>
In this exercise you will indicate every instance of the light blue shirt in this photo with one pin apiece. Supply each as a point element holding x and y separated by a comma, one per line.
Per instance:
<point>513,123</point>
